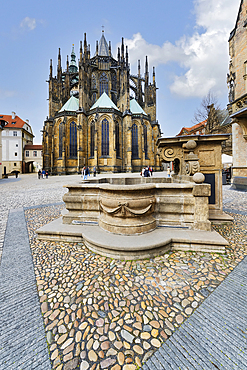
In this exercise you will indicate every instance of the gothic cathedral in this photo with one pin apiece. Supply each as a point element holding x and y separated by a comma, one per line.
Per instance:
<point>100,115</point>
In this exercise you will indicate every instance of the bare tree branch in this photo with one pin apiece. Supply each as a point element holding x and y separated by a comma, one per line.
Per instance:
<point>201,113</point>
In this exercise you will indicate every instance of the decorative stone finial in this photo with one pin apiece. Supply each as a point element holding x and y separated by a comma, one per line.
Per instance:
<point>198,177</point>
<point>191,144</point>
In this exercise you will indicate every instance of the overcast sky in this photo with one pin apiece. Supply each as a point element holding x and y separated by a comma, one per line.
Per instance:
<point>186,40</point>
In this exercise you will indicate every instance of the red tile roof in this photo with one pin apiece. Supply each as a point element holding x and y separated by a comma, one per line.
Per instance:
<point>193,128</point>
<point>33,147</point>
<point>16,122</point>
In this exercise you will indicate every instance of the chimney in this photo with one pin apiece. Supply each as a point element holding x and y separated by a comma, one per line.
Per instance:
<point>27,121</point>
<point>13,115</point>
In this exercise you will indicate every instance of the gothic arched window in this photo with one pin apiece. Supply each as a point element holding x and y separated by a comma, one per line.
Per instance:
<point>60,140</point>
<point>92,132</point>
<point>145,141</point>
<point>114,81</point>
<point>117,139</point>
<point>73,140</point>
<point>103,84</point>
<point>93,82</point>
<point>105,137</point>
<point>135,141</point>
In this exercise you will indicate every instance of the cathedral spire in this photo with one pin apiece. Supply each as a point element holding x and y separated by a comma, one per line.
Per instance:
<point>97,47</point>
<point>73,65</point>
<point>118,55</point>
<point>139,68</point>
<point>109,48</point>
<point>67,63</point>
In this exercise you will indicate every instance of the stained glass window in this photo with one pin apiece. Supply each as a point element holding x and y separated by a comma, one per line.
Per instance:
<point>105,137</point>
<point>73,140</point>
<point>135,141</point>
<point>60,140</point>
<point>103,84</point>
<point>145,141</point>
<point>92,139</point>
<point>114,82</point>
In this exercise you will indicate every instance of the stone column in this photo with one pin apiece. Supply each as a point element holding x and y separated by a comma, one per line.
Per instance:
<point>201,192</point>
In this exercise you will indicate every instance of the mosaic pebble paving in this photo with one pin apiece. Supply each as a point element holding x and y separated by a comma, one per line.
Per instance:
<point>101,313</point>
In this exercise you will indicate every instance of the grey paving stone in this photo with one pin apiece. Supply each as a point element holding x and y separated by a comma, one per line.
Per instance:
<point>21,345</point>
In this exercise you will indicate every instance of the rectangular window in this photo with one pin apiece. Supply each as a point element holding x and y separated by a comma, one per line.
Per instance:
<point>16,145</point>
<point>14,133</point>
<point>15,164</point>
<point>35,153</point>
<point>15,154</point>
<point>27,153</point>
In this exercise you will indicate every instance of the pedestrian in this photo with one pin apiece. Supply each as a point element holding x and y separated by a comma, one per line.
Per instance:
<point>43,174</point>
<point>151,171</point>
<point>146,172</point>
<point>39,174</point>
<point>94,171</point>
<point>84,171</point>
<point>16,174</point>
<point>142,173</point>
<point>168,171</point>
<point>46,174</point>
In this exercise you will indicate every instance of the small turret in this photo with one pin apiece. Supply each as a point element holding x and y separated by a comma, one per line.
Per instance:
<point>154,75</point>
<point>122,50</point>
<point>118,55</point>
<point>139,68</point>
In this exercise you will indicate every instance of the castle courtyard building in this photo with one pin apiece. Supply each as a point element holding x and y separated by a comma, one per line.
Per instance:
<point>237,107</point>
<point>100,115</point>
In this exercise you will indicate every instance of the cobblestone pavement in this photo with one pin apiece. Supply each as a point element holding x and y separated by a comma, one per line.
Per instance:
<point>101,313</point>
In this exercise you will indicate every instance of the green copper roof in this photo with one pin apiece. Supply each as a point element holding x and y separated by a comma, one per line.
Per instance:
<point>71,105</point>
<point>135,108</point>
<point>73,66</point>
<point>104,102</point>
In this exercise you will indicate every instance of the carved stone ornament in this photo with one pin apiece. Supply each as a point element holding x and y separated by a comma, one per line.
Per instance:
<point>169,153</point>
<point>122,209</point>
<point>192,167</point>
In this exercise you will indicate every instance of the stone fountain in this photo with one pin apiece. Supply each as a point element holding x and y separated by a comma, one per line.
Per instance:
<point>135,217</point>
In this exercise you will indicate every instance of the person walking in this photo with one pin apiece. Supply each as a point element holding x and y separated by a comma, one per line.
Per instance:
<point>146,172</point>
<point>46,174</point>
<point>94,171</point>
<point>39,174</point>
<point>168,171</point>
<point>84,170</point>
<point>43,174</point>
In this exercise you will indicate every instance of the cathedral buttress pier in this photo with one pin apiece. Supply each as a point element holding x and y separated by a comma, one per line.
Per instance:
<point>99,114</point>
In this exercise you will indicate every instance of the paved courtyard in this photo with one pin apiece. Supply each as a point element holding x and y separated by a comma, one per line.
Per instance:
<point>64,307</point>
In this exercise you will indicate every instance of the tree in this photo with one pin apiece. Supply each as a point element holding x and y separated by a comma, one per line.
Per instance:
<point>201,113</point>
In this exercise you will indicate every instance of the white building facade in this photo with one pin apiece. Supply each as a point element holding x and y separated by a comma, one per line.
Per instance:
<point>15,135</point>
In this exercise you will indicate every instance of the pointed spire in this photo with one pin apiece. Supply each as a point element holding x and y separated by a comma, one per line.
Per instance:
<point>146,72</point>
<point>80,51</point>
<point>154,75</point>
<point>50,68</point>
<point>109,48</point>
<point>67,63</point>
<point>88,51</point>
<point>103,46</point>
<point>85,44</point>
<point>139,68</point>
<point>127,56</point>
<point>97,47</point>
<point>122,50</point>
<point>73,65</point>
<point>59,67</point>
<point>118,55</point>
<point>146,65</point>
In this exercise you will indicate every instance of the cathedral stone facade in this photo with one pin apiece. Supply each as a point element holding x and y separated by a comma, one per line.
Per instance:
<point>100,115</point>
